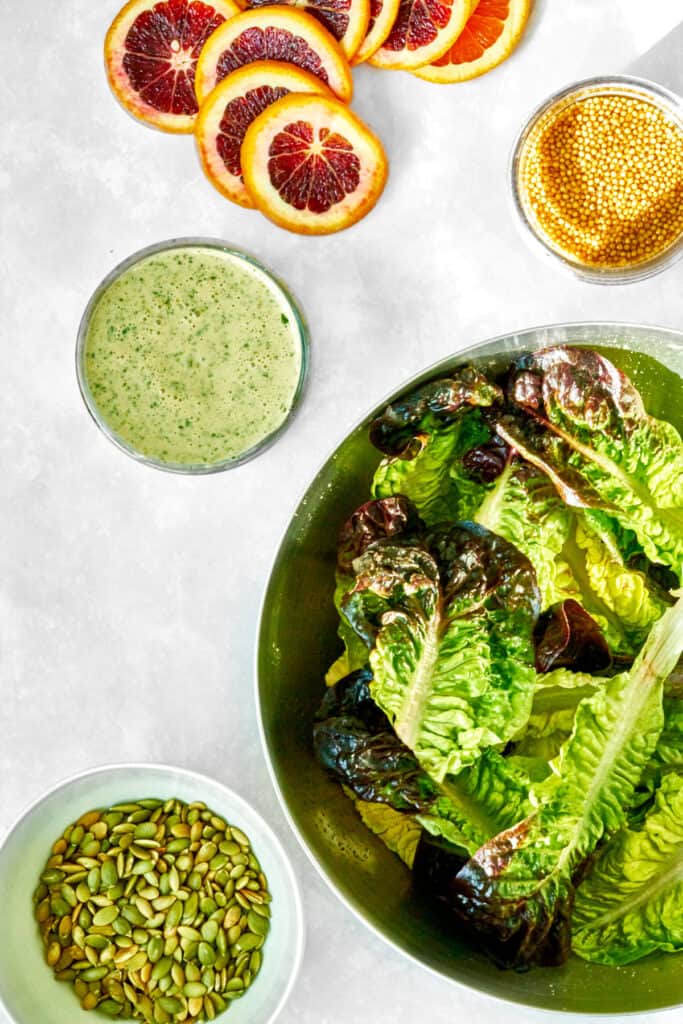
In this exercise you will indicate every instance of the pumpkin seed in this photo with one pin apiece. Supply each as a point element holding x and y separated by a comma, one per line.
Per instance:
<point>94,973</point>
<point>145,830</point>
<point>194,1006</point>
<point>257,924</point>
<point>106,915</point>
<point>170,1004</point>
<point>192,972</point>
<point>206,954</point>
<point>178,845</point>
<point>109,876</point>
<point>121,926</point>
<point>249,941</point>
<point>194,989</point>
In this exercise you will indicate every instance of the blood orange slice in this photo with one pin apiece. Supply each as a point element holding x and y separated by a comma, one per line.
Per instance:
<point>311,165</point>
<point>383,14</point>
<point>229,110</point>
<point>151,52</point>
<point>346,20</point>
<point>273,33</point>
<point>423,30</point>
<point>489,37</point>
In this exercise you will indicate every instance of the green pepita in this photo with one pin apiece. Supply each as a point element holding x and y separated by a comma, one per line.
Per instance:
<point>194,989</point>
<point>106,915</point>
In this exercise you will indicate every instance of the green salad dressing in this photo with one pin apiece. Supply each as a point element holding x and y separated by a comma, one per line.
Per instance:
<point>193,355</point>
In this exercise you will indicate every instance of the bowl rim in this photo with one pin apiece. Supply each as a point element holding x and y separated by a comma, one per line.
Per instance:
<point>239,801</point>
<point>389,396</point>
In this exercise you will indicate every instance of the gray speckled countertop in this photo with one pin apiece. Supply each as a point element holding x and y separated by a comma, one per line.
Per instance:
<point>129,598</point>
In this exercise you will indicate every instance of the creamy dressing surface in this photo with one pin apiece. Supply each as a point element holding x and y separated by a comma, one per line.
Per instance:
<point>193,356</point>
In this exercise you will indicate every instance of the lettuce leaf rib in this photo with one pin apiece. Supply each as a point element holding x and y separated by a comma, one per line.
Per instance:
<point>517,891</point>
<point>451,635</point>
<point>632,902</point>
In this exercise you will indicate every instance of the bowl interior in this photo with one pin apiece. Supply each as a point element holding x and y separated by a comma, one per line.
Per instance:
<point>298,642</point>
<point>27,986</point>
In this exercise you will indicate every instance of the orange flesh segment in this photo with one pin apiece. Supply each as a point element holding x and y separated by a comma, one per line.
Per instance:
<point>482,30</point>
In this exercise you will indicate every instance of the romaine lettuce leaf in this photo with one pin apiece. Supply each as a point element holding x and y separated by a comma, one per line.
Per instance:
<point>483,799</point>
<point>525,509</point>
<point>517,891</point>
<point>434,479</point>
<point>632,461</point>
<point>354,741</point>
<point>557,695</point>
<point>566,636</point>
<point>556,699</point>
<point>576,553</point>
<point>622,598</point>
<point>669,751</point>
<point>398,831</point>
<point>631,903</point>
<point>393,516</point>
<point>450,626</point>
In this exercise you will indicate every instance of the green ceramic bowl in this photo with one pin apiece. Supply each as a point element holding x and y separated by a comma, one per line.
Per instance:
<point>28,990</point>
<point>298,642</point>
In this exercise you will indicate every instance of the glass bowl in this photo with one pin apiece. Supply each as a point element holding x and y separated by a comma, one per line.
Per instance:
<point>297,319</point>
<point>618,85</point>
<point>28,990</point>
<point>298,642</point>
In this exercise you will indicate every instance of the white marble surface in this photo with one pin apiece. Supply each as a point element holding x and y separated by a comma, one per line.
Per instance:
<point>128,595</point>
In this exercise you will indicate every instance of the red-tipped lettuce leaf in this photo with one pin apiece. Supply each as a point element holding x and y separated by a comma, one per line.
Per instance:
<point>394,516</point>
<point>397,431</point>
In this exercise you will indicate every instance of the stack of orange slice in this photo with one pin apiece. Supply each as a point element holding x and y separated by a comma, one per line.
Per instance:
<point>265,89</point>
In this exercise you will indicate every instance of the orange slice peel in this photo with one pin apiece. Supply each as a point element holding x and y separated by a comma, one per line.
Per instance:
<point>383,14</point>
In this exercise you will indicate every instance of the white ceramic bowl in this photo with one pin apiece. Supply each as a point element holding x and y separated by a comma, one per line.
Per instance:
<point>28,991</point>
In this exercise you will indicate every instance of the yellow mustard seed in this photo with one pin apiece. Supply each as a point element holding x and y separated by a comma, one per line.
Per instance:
<point>601,180</point>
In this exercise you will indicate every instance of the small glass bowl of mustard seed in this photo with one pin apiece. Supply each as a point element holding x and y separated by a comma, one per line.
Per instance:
<point>191,356</point>
<point>146,893</point>
<point>597,178</point>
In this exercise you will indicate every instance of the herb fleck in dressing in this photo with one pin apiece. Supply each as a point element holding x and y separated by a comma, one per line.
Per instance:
<point>193,356</point>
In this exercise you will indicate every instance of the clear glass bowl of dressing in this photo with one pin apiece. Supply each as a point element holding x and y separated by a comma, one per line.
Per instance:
<point>191,356</point>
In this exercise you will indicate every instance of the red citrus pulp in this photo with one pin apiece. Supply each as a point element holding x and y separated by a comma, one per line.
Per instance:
<point>311,165</point>
<point>346,20</point>
<point>273,33</point>
<point>151,52</point>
